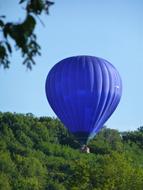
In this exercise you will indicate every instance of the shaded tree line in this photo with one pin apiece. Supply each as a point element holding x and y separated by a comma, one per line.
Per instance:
<point>40,154</point>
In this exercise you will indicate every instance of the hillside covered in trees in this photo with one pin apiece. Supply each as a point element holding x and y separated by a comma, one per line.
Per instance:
<point>40,154</point>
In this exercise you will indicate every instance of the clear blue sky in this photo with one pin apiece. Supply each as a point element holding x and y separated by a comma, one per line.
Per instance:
<point>109,29</point>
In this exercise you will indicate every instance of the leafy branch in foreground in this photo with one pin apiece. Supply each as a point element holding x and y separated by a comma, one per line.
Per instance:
<point>23,33</point>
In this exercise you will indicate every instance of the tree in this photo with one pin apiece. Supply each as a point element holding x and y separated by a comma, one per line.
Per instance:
<point>134,137</point>
<point>23,33</point>
<point>4,182</point>
<point>106,141</point>
<point>33,156</point>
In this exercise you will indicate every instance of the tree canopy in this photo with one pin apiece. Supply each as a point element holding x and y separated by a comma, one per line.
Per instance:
<point>22,33</point>
<point>40,154</point>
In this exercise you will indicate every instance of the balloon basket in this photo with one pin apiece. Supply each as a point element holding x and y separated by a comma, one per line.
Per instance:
<point>85,149</point>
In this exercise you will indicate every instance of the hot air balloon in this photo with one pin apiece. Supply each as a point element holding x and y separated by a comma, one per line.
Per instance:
<point>83,91</point>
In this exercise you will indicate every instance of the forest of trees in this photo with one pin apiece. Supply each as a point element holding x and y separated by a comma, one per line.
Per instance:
<point>40,154</point>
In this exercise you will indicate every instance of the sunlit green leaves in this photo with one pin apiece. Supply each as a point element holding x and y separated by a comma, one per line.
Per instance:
<point>33,157</point>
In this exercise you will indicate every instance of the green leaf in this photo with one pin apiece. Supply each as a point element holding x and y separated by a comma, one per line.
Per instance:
<point>2,52</point>
<point>21,1</point>
<point>28,25</point>
<point>8,47</point>
<point>1,23</point>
